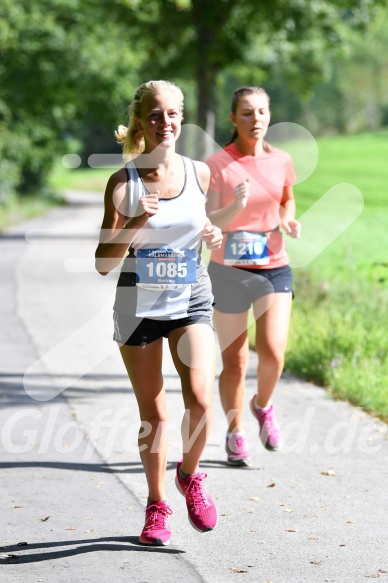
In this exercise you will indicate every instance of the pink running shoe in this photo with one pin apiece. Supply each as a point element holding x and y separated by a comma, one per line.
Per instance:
<point>237,450</point>
<point>156,530</point>
<point>202,511</point>
<point>270,434</point>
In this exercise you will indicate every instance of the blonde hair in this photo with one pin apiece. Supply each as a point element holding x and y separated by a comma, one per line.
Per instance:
<point>233,108</point>
<point>131,137</point>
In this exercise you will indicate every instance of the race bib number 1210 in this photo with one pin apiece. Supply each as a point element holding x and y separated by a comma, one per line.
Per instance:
<point>244,248</point>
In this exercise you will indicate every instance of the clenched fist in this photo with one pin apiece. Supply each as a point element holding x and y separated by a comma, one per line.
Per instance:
<point>242,192</point>
<point>212,236</point>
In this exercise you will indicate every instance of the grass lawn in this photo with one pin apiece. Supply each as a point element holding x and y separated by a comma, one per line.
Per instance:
<point>93,179</point>
<point>338,333</point>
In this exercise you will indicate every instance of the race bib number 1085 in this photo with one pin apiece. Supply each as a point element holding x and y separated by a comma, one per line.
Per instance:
<point>165,268</point>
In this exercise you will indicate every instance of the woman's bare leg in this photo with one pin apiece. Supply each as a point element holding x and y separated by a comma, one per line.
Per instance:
<point>193,352</point>
<point>144,366</point>
<point>233,339</point>
<point>272,315</point>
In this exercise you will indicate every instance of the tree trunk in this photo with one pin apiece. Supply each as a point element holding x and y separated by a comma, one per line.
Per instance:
<point>206,111</point>
<point>206,73</point>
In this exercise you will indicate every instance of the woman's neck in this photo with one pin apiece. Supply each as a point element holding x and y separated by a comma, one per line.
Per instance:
<point>160,157</point>
<point>249,148</point>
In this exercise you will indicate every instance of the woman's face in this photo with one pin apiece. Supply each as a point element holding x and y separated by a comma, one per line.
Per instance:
<point>252,116</point>
<point>160,120</point>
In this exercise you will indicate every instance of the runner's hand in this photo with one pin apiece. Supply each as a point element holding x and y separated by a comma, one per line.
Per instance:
<point>292,227</point>
<point>150,203</point>
<point>242,192</point>
<point>212,236</point>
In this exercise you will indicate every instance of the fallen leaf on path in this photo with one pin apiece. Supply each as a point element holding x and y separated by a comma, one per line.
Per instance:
<point>70,528</point>
<point>271,485</point>
<point>17,506</point>
<point>316,562</point>
<point>238,570</point>
<point>44,519</point>
<point>89,531</point>
<point>287,510</point>
<point>350,522</point>
<point>291,529</point>
<point>254,498</point>
<point>328,473</point>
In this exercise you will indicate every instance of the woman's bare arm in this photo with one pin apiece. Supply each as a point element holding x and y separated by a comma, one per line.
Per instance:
<point>117,232</point>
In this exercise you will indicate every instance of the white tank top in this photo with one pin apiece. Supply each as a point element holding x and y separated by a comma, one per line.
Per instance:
<point>167,248</point>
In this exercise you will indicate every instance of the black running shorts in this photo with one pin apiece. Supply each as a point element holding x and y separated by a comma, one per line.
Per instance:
<point>235,289</point>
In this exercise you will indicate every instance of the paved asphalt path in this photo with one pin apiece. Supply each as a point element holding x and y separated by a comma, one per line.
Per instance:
<point>72,488</point>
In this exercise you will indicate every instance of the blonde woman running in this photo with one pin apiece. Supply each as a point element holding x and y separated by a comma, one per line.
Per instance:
<point>155,220</point>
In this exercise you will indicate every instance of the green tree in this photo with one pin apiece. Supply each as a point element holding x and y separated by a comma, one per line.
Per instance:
<point>62,66</point>
<point>352,95</point>
<point>201,39</point>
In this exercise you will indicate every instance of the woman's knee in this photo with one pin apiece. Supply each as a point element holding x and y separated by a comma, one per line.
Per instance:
<point>199,405</point>
<point>153,417</point>
<point>271,358</point>
<point>235,364</point>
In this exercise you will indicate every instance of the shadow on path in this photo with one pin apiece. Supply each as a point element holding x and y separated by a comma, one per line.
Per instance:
<point>117,468</point>
<point>13,393</point>
<point>122,543</point>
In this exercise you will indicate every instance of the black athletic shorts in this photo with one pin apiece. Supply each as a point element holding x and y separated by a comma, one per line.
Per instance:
<point>135,331</point>
<point>138,331</point>
<point>235,288</point>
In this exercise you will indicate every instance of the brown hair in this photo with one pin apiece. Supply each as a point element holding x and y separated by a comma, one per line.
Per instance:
<point>131,137</point>
<point>246,90</point>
